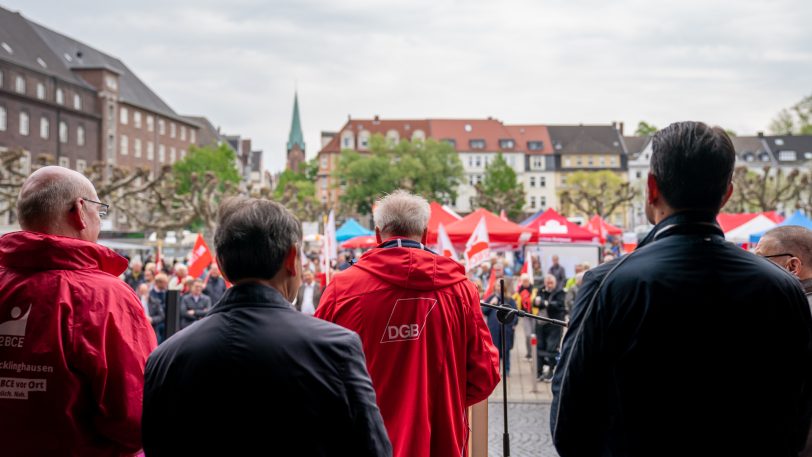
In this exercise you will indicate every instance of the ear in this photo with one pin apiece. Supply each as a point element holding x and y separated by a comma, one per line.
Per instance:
<point>290,260</point>
<point>425,236</point>
<point>794,266</point>
<point>727,194</point>
<point>76,215</point>
<point>378,237</point>
<point>653,191</point>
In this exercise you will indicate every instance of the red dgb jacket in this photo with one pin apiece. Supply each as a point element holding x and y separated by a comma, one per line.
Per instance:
<point>74,340</point>
<point>427,347</point>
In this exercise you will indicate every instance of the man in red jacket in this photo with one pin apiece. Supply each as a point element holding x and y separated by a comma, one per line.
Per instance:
<point>74,338</point>
<point>427,347</point>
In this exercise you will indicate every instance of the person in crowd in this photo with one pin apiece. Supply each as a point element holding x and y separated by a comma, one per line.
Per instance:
<point>194,305</point>
<point>157,306</point>
<point>790,247</point>
<point>178,279</point>
<point>215,284</point>
<point>427,346</point>
<point>579,267</point>
<point>572,293</point>
<point>495,327</point>
<point>264,373</point>
<point>549,303</point>
<point>74,336</point>
<point>525,296</point>
<point>558,271</point>
<point>143,295</point>
<point>135,276</point>
<point>307,299</point>
<point>149,277</point>
<point>187,285</point>
<point>660,357</point>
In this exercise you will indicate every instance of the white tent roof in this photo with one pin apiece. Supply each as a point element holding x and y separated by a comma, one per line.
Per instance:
<point>741,234</point>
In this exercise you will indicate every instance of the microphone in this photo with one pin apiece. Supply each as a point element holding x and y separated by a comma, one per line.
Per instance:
<point>508,311</point>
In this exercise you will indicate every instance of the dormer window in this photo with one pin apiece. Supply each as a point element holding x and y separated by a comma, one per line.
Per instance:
<point>476,144</point>
<point>787,156</point>
<point>347,140</point>
<point>507,144</point>
<point>535,145</point>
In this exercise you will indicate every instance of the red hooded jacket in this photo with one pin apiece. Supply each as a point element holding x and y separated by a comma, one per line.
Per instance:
<point>74,340</point>
<point>427,347</point>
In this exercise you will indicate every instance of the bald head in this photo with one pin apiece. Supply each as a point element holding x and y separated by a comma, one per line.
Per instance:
<point>52,201</point>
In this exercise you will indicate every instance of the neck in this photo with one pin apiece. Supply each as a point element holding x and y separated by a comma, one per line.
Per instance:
<point>388,236</point>
<point>277,282</point>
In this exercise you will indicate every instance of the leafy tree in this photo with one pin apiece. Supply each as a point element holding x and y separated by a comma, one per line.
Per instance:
<point>428,168</point>
<point>796,119</point>
<point>645,129</point>
<point>220,160</point>
<point>596,192</point>
<point>297,191</point>
<point>768,190</point>
<point>500,190</point>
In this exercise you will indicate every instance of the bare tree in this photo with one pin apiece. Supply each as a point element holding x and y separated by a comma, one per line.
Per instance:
<point>766,191</point>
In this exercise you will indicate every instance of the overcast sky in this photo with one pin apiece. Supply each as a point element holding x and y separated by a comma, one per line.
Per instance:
<point>237,62</point>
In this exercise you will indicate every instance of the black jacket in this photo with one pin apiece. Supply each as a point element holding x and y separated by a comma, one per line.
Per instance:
<point>692,347</point>
<point>256,377</point>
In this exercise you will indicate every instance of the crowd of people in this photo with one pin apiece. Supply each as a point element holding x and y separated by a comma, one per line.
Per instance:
<point>398,345</point>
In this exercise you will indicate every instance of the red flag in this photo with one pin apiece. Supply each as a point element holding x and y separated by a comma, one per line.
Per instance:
<point>491,283</point>
<point>478,248</point>
<point>444,243</point>
<point>200,258</point>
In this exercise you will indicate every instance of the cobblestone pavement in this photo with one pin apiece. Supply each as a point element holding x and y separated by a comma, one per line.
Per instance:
<point>529,427</point>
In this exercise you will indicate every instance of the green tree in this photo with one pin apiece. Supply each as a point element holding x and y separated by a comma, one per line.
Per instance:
<point>428,168</point>
<point>500,190</point>
<point>796,120</point>
<point>297,191</point>
<point>645,129</point>
<point>596,192</point>
<point>220,160</point>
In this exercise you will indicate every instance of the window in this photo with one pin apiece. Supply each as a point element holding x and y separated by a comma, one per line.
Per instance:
<point>603,162</point>
<point>323,161</point>
<point>80,135</point>
<point>150,150</point>
<point>612,161</point>
<point>137,119</point>
<point>638,174</point>
<point>150,124</point>
<point>110,82</point>
<point>323,183</point>
<point>63,132</point>
<point>476,144</point>
<point>418,135</point>
<point>3,120</point>
<point>787,155</point>
<point>123,146</point>
<point>161,127</point>
<point>535,145</point>
<point>161,153</point>
<point>532,181</point>
<point>111,147</point>
<point>507,144</point>
<point>81,165</point>
<point>347,140</point>
<point>182,154</point>
<point>77,102</point>
<point>543,202</point>
<point>111,113</point>
<point>471,180</point>
<point>477,161</point>
<point>542,181</point>
<point>172,155</point>
<point>123,115</point>
<point>183,132</point>
<point>44,128</point>
<point>778,141</point>
<point>41,91</point>
<point>567,162</point>
<point>60,96</point>
<point>532,202</point>
<point>64,162</point>
<point>192,135</point>
<point>23,123</point>
<point>392,137</point>
<point>537,162</point>
<point>137,147</point>
<point>19,84</point>
<point>363,140</point>
<point>172,130</point>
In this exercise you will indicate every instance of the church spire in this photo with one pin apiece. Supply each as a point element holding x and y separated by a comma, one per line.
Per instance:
<point>296,138</point>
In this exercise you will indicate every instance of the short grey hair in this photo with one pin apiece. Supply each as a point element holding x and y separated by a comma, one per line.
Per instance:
<point>253,237</point>
<point>37,207</point>
<point>795,240</point>
<point>402,214</point>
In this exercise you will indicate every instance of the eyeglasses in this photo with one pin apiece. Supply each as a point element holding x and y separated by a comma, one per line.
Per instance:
<point>103,207</point>
<point>777,255</point>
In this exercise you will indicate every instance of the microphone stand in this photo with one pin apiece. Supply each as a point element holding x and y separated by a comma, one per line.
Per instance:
<point>505,314</point>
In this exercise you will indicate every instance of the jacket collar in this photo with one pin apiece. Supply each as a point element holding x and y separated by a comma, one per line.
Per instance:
<point>250,294</point>
<point>36,251</point>
<point>684,222</point>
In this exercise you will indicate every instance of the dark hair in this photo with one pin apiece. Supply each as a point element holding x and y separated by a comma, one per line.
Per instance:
<point>692,164</point>
<point>253,237</point>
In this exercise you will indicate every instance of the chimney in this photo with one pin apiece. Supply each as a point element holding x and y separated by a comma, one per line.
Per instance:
<point>377,118</point>
<point>621,128</point>
<point>760,134</point>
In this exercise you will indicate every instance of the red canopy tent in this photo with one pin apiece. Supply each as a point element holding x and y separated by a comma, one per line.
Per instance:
<point>729,221</point>
<point>603,229</point>
<point>551,226</point>
<point>439,215</point>
<point>363,241</point>
<point>499,231</point>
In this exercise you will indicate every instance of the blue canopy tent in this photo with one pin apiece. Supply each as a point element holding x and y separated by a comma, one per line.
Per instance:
<point>797,218</point>
<point>351,229</point>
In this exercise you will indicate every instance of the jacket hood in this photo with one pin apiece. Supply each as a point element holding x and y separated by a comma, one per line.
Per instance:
<point>411,268</point>
<point>37,251</point>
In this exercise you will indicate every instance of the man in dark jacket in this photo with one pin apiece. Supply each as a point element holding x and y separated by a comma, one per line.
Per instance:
<point>428,349</point>
<point>215,285</point>
<point>194,305</point>
<point>690,345</point>
<point>268,376</point>
<point>550,303</point>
